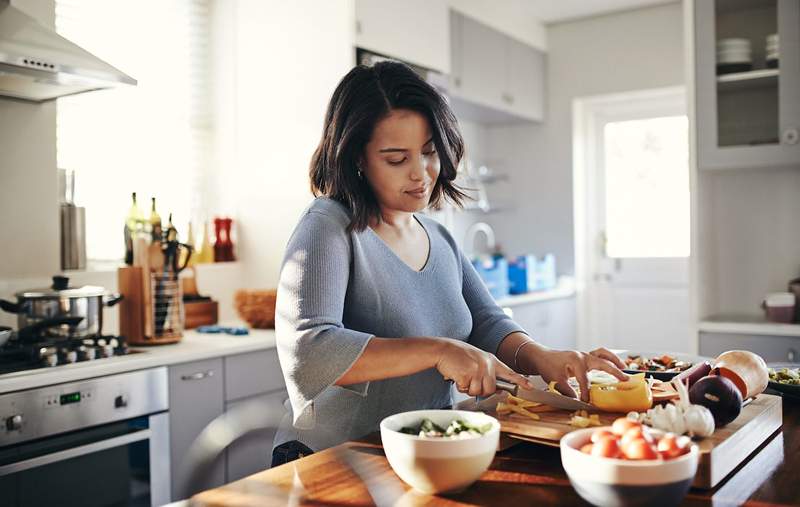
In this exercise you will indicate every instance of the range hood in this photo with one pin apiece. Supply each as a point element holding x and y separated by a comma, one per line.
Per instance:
<point>37,64</point>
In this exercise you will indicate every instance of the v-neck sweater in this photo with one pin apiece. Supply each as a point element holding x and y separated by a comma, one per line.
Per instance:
<point>338,290</point>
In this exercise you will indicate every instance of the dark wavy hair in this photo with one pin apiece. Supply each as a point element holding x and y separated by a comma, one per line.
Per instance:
<point>363,97</point>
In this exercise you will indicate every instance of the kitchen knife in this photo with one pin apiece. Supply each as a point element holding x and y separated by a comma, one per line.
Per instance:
<point>540,395</point>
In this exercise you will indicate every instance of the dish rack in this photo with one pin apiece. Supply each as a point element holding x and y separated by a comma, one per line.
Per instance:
<point>152,311</point>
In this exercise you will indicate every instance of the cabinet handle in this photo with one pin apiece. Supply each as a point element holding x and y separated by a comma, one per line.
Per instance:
<point>200,375</point>
<point>457,81</point>
<point>791,355</point>
<point>790,136</point>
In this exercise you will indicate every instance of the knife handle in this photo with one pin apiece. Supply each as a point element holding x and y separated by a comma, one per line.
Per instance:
<point>506,386</point>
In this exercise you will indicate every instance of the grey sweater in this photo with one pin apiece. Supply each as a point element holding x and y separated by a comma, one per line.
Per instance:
<point>337,290</point>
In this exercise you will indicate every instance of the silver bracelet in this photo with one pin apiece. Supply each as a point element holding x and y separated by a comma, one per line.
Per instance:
<point>516,353</point>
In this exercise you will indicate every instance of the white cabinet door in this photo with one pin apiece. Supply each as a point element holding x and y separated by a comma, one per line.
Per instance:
<point>482,64</point>
<point>416,31</point>
<point>253,452</point>
<point>525,85</point>
<point>195,399</point>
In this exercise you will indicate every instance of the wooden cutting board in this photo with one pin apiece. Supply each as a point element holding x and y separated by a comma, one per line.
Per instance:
<point>720,454</point>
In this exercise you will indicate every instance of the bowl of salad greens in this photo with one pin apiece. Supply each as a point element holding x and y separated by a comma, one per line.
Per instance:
<point>440,451</point>
<point>785,378</point>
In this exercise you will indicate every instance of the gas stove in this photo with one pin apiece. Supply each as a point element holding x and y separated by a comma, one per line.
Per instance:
<point>52,352</point>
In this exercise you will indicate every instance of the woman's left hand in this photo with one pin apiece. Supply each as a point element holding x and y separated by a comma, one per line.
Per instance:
<point>560,365</point>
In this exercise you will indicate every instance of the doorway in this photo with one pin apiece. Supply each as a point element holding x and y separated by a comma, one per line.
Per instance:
<point>632,220</point>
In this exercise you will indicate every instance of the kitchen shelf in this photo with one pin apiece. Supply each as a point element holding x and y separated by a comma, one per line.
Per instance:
<point>747,324</point>
<point>760,78</point>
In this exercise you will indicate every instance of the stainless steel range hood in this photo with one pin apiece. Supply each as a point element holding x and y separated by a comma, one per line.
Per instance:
<point>37,64</point>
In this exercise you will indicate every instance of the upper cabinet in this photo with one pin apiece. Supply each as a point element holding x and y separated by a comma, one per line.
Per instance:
<point>747,78</point>
<point>492,70</point>
<point>412,30</point>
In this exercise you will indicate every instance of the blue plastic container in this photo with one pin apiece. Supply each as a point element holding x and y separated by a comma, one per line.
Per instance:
<point>527,274</point>
<point>494,273</point>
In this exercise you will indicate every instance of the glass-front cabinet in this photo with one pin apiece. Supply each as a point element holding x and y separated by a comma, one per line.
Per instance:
<point>747,78</point>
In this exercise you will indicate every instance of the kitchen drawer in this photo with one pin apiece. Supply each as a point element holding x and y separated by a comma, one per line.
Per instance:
<point>252,373</point>
<point>253,452</point>
<point>771,348</point>
<point>195,399</point>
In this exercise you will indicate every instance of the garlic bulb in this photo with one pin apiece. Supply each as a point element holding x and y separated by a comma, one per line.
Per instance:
<point>680,417</point>
<point>699,421</point>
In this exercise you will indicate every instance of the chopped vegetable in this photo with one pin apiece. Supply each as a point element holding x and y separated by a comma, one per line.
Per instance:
<point>507,408</point>
<point>788,376</point>
<point>634,394</point>
<point>664,363</point>
<point>522,402</point>
<point>582,419</point>
<point>457,429</point>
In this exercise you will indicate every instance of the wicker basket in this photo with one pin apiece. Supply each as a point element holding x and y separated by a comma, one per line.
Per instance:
<point>256,307</point>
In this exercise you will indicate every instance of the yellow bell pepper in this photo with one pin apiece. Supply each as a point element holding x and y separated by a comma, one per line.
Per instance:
<point>634,394</point>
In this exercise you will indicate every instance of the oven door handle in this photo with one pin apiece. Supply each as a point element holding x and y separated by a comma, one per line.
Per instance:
<point>74,452</point>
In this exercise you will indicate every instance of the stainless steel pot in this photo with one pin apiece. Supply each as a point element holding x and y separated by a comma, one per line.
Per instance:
<point>60,300</point>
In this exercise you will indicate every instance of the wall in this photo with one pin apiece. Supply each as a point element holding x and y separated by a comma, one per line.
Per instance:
<point>28,177</point>
<point>625,51</point>
<point>284,61</point>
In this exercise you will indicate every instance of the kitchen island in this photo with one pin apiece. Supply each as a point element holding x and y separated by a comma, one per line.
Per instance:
<point>526,474</point>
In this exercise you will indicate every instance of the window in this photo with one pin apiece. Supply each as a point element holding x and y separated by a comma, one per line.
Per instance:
<point>647,187</point>
<point>153,139</point>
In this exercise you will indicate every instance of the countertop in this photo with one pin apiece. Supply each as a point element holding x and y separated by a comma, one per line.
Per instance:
<point>194,346</point>
<point>564,288</point>
<point>526,474</point>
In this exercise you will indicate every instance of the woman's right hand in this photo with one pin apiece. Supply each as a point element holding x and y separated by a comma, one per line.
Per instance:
<point>472,370</point>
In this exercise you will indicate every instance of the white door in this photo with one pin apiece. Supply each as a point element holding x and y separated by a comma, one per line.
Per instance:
<point>633,221</point>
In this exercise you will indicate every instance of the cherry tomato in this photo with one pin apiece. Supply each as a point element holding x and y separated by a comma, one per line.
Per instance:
<point>636,433</point>
<point>639,449</point>
<point>601,434</point>
<point>623,424</point>
<point>587,449</point>
<point>607,448</point>
<point>669,447</point>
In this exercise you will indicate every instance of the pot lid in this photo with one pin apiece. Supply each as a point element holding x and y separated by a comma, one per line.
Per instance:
<point>60,289</point>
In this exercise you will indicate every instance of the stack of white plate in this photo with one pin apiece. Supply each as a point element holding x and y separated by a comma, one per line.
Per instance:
<point>734,55</point>
<point>773,53</point>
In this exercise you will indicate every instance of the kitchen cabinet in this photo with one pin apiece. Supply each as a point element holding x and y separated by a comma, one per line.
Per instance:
<point>747,119</point>
<point>552,323</point>
<point>253,452</point>
<point>492,70</point>
<point>195,399</point>
<point>772,348</point>
<point>253,378</point>
<point>415,31</point>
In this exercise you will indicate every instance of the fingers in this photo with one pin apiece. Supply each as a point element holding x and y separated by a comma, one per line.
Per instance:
<point>579,370</point>
<point>605,365</point>
<point>475,386</point>
<point>609,356</point>
<point>564,388</point>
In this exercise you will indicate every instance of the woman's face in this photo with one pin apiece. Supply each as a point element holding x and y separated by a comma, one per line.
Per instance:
<point>400,161</point>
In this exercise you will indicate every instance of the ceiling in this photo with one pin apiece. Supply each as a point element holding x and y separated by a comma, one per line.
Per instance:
<point>555,11</point>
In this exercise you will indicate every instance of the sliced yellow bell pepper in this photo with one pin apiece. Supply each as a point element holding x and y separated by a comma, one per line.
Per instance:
<point>634,394</point>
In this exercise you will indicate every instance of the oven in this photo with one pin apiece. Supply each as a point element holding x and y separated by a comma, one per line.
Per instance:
<point>97,442</point>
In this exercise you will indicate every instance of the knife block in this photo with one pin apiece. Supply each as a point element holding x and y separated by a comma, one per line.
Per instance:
<point>151,311</point>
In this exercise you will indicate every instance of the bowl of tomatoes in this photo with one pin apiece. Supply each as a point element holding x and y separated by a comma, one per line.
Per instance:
<point>629,464</point>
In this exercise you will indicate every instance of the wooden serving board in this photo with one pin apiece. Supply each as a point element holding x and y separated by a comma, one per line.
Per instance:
<point>720,453</point>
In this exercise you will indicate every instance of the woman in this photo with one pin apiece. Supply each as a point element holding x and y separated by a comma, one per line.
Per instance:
<point>378,309</point>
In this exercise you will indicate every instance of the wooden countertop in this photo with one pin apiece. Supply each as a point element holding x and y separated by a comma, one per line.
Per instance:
<point>527,474</point>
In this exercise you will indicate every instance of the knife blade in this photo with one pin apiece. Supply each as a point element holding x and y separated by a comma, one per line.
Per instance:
<point>539,395</point>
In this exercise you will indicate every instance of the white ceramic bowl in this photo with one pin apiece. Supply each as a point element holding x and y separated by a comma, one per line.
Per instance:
<point>626,483</point>
<point>439,465</point>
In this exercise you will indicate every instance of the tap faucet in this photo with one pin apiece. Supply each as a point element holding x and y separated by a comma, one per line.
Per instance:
<point>472,232</point>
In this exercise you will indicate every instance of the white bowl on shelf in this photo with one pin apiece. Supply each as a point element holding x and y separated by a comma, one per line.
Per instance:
<point>623,483</point>
<point>439,465</point>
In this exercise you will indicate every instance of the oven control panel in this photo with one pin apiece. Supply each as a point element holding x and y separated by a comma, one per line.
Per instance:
<point>45,411</point>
